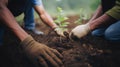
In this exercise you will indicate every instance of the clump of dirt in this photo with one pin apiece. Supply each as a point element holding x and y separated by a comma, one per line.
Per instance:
<point>87,52</point>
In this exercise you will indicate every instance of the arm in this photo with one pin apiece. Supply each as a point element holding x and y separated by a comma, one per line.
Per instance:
<point>103,20</point>
<point>9,20</point>
<point>82,30</point>
<point>48,20</point>
<point>45,17</point>
<point>111,16</point>
<point>37,52</point>
<point>97,14</point>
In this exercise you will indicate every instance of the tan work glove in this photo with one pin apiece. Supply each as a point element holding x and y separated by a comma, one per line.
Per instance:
<point>59,32</point>
<point>40,54</point>
<point>80,31</point>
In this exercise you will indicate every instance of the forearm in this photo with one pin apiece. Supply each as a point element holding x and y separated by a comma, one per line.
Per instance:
<point>102,21</point>
<point>97,14</point>
<point>8,19</point>
<point>45,17</point>
<point>48,20</point>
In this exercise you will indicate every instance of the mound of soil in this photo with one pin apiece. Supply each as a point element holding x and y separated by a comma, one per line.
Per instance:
<point>87,52</point>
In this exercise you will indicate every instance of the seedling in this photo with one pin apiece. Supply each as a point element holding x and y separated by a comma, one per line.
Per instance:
<point>60,19</point>
<point>83,16</point>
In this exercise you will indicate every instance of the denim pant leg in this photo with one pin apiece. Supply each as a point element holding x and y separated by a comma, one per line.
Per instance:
<point>29,13</point>
<point>112,33</point>
<point>29,16</point>
<point>99,32</point>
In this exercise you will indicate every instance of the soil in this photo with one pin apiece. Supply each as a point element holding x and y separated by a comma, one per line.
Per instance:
<point>86,52</point>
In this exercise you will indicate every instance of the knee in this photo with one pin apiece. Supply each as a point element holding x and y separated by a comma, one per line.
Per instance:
<point>97,33</point>
<point>112,36</point>
<point>94,33</point>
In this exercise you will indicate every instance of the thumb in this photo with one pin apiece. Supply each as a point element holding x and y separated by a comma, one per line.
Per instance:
<point>59,32</point>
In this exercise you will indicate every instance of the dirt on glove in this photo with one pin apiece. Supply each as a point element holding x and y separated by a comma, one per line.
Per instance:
<point>87,52</point>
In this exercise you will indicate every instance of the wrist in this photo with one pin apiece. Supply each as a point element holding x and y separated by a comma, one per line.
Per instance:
<point>20,33</point>
<point>54,27</point>
<point>27,41</point>
<point>87,25</point>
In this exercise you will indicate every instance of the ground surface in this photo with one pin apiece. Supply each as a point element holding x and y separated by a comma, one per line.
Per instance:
<point>88,52</point>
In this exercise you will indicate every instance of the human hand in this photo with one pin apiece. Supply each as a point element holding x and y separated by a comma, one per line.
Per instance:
<point>40,54</point>
<point>80,31</point>
<point>59,32</point>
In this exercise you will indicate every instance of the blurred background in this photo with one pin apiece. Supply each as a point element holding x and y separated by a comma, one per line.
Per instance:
<point>70,7</point>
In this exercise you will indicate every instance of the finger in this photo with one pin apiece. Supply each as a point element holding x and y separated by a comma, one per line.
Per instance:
<point>70,36</point>
<point>50,60</point>
<point>57,53</point>
<point>60,33</point>
<point>73,37</point>
<point>66,32</point>
<point>42,62</point>
<point>55,57</point>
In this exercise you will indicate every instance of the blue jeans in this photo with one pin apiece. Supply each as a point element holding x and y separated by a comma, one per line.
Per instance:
<point>29,13</point>
<point>110,33</point>
<point>22,6</point>
<point>26,7</point>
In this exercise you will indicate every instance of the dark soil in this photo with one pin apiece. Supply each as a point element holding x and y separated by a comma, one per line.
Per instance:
<point>87,52</point>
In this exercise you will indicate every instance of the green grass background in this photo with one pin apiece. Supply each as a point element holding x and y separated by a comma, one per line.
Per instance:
<point>70,7</point>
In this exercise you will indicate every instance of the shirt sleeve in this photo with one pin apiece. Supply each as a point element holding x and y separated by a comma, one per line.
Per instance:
<point>115,11</point>
<point>36,2</point>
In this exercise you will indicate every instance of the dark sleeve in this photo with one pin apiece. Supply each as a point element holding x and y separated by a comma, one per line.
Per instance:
<point>115,11</point>
<point>107,4</point>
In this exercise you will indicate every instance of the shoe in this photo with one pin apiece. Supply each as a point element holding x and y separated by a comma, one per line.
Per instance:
<point>37,32</point>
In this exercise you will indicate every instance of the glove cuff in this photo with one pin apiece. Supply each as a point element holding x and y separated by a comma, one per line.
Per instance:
<point>27,41</point>
<point>88,27</point>
<point>55,29</point>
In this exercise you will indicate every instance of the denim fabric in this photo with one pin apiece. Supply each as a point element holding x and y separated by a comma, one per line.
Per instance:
<point>99,32</point>
<point>18,7</point>
<point>29,13</point>
<point>111,33</point>
<point>36,2</point>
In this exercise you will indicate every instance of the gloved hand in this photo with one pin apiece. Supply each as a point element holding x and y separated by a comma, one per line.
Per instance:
<point>59,32</point>
<point>40,54</point>
<point>80,31</point>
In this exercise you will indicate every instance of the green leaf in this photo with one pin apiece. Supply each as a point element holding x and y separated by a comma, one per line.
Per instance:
<point>60,19</point>
<point>59,9</point>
